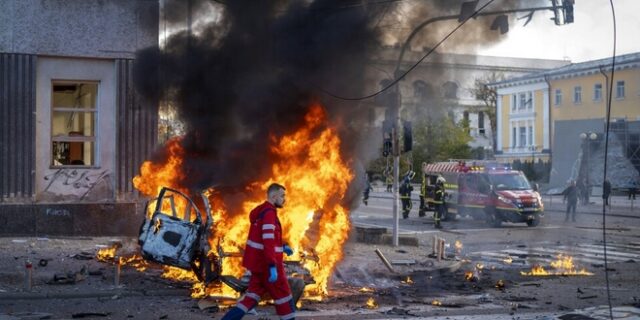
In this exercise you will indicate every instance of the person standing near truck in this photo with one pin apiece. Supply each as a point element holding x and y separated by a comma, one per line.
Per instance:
<point>423,194</point>
<point>405,196</point>
<point>263,258</point>
<point>439,201</point>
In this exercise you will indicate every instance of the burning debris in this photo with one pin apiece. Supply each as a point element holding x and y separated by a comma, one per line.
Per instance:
<point>366,290</point>
<point>563,266</point>
<point>371,304</point>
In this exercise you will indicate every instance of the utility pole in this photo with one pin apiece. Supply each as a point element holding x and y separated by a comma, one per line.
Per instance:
<point>563,15</point>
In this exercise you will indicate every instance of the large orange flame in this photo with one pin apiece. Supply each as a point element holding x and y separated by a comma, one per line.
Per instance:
<point>316,225</point>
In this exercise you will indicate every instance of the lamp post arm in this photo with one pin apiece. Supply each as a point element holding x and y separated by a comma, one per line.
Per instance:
<point>455,17</point>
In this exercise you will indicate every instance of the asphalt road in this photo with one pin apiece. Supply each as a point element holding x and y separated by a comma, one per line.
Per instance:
<point>493,255</point>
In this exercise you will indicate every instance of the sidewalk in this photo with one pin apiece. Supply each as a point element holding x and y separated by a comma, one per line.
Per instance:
<point>618,205</point>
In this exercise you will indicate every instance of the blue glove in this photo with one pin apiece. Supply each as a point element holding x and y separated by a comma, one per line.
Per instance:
<point>273,274</point>
<point>287,250</point>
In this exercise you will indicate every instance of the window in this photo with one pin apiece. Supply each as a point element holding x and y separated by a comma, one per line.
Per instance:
<point>577,94</point>
<point>597,92</point>
<point>513,137</point>
<point>558,99</point>
<point>450,90</point>
<point>523,137</point>
<point>422,90</point>
<point>513,102</point>
<point>522,102</point>
<point>73,120</point>
<point>530,137</point>
<point>481,123</point>
<point>620,89</point>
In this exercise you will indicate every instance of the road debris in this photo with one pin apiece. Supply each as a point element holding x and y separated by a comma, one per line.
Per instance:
<point>385,261</point>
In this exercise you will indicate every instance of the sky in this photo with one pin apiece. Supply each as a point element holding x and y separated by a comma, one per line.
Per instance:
<point>590,37</point>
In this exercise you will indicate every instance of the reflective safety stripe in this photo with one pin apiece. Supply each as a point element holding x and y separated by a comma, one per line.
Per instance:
<point>288,316</point>
<point>283,300</point>
<point>260,246</point>
<point>255,245</point>
<point>268,236</point>
<point>253,296</point>
<point>242,307</point>
<point>268,227</point>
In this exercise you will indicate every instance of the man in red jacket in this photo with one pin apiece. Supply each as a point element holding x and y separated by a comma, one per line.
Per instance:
<point>263,259</point>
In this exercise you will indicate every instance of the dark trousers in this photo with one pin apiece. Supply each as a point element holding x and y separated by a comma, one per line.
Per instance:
<point>423,207</point>
<point>406,207</point>
<point>606,200</point>
<point>571,208</point>
<point>438,214</point>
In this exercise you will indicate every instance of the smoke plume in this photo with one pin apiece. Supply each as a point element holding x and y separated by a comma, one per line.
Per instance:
<point>252,75</point>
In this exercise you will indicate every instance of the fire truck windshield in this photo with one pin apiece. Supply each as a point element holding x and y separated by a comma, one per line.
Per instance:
<point>509,181</point>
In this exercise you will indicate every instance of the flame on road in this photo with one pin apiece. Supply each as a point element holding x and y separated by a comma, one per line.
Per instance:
<point>371,304</point>
<point>366,290</point>
<point>562,266</point>
<point>309,164</point>
<point>436,303</point>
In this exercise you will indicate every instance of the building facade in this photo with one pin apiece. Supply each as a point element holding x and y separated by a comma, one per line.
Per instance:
<point>560,116</point>
<point>447,82</point>
<point>74,131</point>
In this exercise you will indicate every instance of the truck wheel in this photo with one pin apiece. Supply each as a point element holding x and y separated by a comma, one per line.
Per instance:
<point>533,223</point>
<point>492,218</point>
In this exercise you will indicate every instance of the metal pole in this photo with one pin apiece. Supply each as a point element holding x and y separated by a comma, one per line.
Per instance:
<point>396,168</point>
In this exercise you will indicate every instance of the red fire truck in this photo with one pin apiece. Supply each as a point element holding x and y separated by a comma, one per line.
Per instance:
<point>485,190</point>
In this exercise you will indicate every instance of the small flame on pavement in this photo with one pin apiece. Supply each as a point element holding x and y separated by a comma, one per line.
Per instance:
<point>366,290</point>
<point>563,266</point>
<point>407,280</point>
<point>436,303</point>
<point>371,304</point>
<point>468,276</point>
<point>508,260</point>
<point>458,246</point>
<point>500,284</point>
<point>479,266</point>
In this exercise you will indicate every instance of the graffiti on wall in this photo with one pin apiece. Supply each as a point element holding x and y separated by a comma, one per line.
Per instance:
<point>77,181</point>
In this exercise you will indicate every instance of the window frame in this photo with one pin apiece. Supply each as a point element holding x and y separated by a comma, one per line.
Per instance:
<point>577,95</point>
<point>597,92</point>
<point>620,88</point>
<point>69,138</point>
<point>558,97</point>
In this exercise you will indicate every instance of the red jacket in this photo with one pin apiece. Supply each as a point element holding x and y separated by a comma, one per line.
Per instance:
<point>264,244</point>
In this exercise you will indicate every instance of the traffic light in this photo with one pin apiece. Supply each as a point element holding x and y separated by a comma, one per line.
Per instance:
<point>567,7</point>
<point>407,136</point>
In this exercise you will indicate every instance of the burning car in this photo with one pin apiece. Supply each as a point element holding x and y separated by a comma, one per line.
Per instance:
<point>174,234</point>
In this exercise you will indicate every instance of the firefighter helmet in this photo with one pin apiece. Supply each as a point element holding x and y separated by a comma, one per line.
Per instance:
<point>440,180</point>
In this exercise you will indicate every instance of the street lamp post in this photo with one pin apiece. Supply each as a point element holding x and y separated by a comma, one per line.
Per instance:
<point>466,13</point>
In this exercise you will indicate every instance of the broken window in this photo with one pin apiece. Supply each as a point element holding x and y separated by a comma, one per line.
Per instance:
<point>73,121</point>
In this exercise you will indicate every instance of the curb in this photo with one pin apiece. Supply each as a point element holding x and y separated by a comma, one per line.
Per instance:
<point>93,294</point>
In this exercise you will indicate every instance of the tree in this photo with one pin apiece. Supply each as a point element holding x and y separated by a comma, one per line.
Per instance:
<point>440,140</point>
<point>489,97</point>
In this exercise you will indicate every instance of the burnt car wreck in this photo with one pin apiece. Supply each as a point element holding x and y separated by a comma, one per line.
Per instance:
<point>170,236</point>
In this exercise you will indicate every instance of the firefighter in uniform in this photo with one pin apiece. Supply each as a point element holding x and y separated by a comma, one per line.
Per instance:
<point>263,259</point>
<point>367,189</point>
<point>405,196</point>
<point>423,196</point>
<point>439,201</point>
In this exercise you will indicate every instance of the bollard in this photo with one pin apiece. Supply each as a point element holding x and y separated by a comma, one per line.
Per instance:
<point>116,276</point>
<point>28,276</point>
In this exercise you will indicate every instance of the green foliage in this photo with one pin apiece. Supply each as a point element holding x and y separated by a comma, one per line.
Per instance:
<point>433,140</point>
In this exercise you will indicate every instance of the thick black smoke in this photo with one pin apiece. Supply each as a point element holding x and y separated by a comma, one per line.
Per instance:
<point>253,75</point>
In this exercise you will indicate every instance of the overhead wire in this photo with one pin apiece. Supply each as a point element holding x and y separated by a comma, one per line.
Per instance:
<point>404,74</point>
<point>606,149</point>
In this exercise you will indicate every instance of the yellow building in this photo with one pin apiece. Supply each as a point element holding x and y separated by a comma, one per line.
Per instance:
<point>548,115</point>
